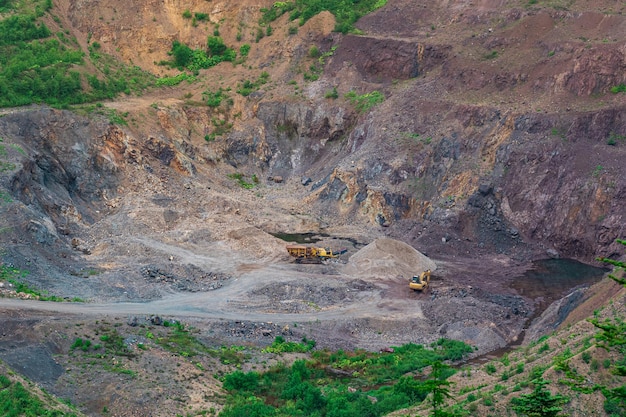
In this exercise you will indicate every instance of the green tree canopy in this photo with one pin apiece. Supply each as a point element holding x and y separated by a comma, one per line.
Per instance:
<point>540,402</point>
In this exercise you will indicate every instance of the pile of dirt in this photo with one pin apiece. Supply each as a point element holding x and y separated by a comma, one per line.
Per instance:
<point>386,259</point>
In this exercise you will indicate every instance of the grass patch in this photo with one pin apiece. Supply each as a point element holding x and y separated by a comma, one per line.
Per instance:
<point>180,341</point>
<point>242,181</point>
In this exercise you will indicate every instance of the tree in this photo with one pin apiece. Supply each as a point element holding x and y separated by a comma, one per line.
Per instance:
<point>182,54</point>
<point>437,386</point>
<point>216,46</point>
<point>540,402</point>
<point>613,336</point>
<point>619,266</point>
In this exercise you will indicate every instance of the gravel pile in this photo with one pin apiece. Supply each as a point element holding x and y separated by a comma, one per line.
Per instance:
<point>386,259</point>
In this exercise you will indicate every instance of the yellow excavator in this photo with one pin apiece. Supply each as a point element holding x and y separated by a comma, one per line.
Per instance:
<point>420,282</point>
<point>311,255</point>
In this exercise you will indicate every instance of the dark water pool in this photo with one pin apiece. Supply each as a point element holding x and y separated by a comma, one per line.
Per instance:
<point>304,238</point>
<point>299,237</point>
<point>547,281</point>
<point>550,279</point>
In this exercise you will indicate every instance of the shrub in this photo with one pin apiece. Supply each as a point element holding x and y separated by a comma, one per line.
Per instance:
<point>241,381</point>
<point>216,46</point>
<point>332,94</point>
<point>182,54</point>
<point>244,50</point>
<point>490,368</point>
<point>365,101</point>
<point>540,402</point>
<point>187,14</point>
<point>214,99</point>
<point>621,88</point>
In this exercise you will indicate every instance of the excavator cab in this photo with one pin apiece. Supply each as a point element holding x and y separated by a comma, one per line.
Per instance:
<point>420,282</point>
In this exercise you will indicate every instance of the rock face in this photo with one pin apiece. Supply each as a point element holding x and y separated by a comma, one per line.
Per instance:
<point>72,169</point>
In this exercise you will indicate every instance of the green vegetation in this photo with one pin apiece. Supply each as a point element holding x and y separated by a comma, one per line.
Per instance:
<point>365,102</point>
<point>597,171</point>
<point>215,98</point>
<point>16,400</point>
<point>37,66</point>
<point>437,386</point>
<point>540,402</point>
<point>244,50</point>
<point>490,368</point>
<point>612,338</point>
<point>220,128</point>
<point>14,276</point>
<point>247,87</point>
<point>197,59</point>
<point>614,138</point>
<point>332,94</point>
<point>490,55</point>
<point>175,80</point>
<point>320,386</point>
<point>242,182</point>
<point>346,12</point>
<point>180,340</point>
<point>280,346</point>
<point>620,88</point>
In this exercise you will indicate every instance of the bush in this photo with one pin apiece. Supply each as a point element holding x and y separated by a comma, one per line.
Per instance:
<point>621,88</point>
<point>187,14</point>
<point>216,46</point>
<point>244,50</point>
<point>490,368</point>
<point>543,348</point>
<point>366,101</point>
<point>332,94</point>
<point>214,99</point>
<point>248,407</point>
<point>241,381</point>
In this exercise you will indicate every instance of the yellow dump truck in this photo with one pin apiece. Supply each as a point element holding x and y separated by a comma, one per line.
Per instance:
<point>308,254</point>
<point>420,282</point>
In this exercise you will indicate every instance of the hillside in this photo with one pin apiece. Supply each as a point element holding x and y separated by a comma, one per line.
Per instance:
<point>154,155</point>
